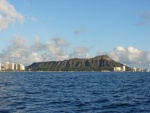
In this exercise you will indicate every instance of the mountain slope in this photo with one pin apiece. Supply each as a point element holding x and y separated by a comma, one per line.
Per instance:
<point>98,63</point>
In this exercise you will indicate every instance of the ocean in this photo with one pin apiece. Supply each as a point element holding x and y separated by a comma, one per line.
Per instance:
<point>74,92</point>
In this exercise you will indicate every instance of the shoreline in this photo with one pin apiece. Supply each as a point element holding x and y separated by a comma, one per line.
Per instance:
<point>74,71</point>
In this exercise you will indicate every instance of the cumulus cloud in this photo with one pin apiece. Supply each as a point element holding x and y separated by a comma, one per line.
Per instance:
<point>55,49</point>
<point>55,52</point>
<point>79,31</point>
<point>101,52</point>
<point>8,14</point>
<point>130,56</point>
<point>18,41</point>
<point>60,41</point>
<point>37,45</point>
<point>15,51</point>
<point>80,52</point>
<point>20,51</point>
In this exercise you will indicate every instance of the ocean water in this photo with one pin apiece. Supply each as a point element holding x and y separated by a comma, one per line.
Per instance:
<point>74,92</point>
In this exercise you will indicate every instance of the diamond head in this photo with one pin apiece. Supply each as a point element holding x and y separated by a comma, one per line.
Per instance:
<point>98,63</point>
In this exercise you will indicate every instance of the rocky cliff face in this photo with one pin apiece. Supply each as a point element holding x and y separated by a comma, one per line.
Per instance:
<point>98,63</point>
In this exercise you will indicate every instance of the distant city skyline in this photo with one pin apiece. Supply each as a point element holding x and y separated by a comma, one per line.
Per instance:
<point>62,29</point>
<point>12,67</point>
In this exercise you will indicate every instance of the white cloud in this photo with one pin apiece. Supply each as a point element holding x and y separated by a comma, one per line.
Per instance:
<point>56,49</point>
<point>19,51</point>
<point>148,57</point>
<point>120,48</point>
<point>130,56</point>
<point>80,52</point>
<point>100,52</point>
<point>8,14</point>
<point>34,57</point>
<point>15,51</point>
<point>37,45</point>
<point>60,41</point>
<point>18,41</point>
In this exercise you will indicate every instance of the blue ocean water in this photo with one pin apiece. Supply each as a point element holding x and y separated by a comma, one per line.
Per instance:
<point>74,92</point>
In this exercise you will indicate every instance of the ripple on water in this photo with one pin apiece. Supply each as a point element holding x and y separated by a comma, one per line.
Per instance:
<point>76,92</point>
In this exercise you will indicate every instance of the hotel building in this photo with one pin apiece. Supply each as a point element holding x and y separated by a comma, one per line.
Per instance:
<point>0,66</point>
<point>19,67</point>
<point>9,66</point>
<point>120,69</point>
<point>6,66</point>
<point>12,67</point>
<point>117,68</point>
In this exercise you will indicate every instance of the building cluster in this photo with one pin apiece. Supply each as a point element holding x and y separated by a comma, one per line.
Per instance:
<point>123,68</point>
<point>120,69</point>
<point>0,66</point>
<point>12,67</point>
<point>139,70</point>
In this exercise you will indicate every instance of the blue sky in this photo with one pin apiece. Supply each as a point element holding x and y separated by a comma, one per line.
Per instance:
<point>47,30</point>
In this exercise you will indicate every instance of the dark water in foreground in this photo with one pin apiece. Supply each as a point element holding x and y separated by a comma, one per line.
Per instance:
<point>74,92</point>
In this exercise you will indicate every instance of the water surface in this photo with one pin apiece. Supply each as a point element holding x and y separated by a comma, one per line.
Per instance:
<point>74,92</point>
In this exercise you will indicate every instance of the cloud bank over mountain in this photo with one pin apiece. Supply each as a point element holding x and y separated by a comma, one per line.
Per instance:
<point>130,56</point>
<point>56,49</point>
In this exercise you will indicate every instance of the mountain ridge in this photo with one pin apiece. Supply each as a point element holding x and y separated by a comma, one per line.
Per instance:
<point>98,63</point>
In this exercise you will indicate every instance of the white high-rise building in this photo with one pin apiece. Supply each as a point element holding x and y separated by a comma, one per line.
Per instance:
<point>120,69</point>
<point>19,67</point>
<point>22,67</point>
<point>124,68</point>
<point>117,68</point>
<point>6,66</point>
<point>147,70</point>
<point>134,69</point>
<point>0,66</point>
<point>9,66</point>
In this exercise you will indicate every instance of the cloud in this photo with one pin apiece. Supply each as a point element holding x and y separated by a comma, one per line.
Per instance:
<point>60,41</point>
<point>101,52</point>
<point>54,52</point>
<point>79,31</point>
<point>148,57</point>
<point>130,56</point>
<point>50,51</point>
<point>37,45</point>
<point>80,52</point>
<point>144,18</point>
<point>8,14</point>
<point>16,50</point>
<point>18,41</point>
<point>20,52</point>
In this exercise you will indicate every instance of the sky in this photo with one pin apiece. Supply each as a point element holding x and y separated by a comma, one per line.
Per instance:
<point>54,30</point>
